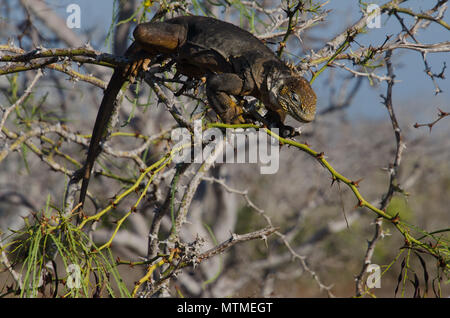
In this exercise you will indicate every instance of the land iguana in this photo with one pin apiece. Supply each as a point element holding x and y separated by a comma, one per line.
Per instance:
<point>233,61</point>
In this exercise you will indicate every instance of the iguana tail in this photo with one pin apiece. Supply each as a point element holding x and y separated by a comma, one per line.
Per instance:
<point>105,112</point>
<point>140,60</point>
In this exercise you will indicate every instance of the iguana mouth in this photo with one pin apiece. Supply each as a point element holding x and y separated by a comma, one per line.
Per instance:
<point>302,116</point>
<point>298,112</point>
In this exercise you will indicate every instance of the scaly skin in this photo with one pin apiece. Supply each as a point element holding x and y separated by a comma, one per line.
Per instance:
<point>234,62</point>
<point>104,114</point>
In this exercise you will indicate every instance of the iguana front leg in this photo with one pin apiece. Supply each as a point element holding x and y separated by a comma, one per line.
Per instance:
<point>150,40</point>
<point>219,87</point>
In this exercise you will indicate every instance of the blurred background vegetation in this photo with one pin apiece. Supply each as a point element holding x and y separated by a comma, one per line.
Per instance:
<point>318,218</point>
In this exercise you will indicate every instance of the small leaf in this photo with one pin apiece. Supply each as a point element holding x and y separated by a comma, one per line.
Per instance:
<point>399,279</point>
<point>425,272</point>
<point>416,286</point>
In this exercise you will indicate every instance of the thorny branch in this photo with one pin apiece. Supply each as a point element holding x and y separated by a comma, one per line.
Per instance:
<point>441,115</point>
<point>295,255</point>
<point>393,175</point>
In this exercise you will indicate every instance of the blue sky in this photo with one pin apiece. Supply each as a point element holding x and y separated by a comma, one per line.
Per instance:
<point>414,86</point>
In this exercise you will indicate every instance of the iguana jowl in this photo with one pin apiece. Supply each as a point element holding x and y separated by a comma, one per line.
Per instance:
<point>234,62</point>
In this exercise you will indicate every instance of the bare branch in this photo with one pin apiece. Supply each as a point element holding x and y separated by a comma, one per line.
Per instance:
<point>19,102</point>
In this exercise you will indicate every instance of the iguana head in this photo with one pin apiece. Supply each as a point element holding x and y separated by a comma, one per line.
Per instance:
<point>297,98</point>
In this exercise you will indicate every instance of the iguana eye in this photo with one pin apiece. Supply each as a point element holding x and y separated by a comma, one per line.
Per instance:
<point>295,98</point>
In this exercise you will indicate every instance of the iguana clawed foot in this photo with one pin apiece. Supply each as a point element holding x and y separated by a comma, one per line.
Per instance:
<point>273,120</point>
<point>141,61</point>
<point>270,120</point>
<point>284,131</point>
<point>288,132</point>
<point>132,70</point>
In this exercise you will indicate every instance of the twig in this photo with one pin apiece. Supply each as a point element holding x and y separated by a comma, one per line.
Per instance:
<point>72,53</point>
<point>290,27</point>
<point>441,115</point>
<point>4,259</point>
<point>192,188</point>
<point>24,137</point>
<point>370,75</point>
<point>232,190</point>
<point>22,98</point>
<point>353,185</point>
<point>282,236</point>
<point>337,41</point>
<point>427,67</point>
<point>235,239</point>
<point>420,16</point>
